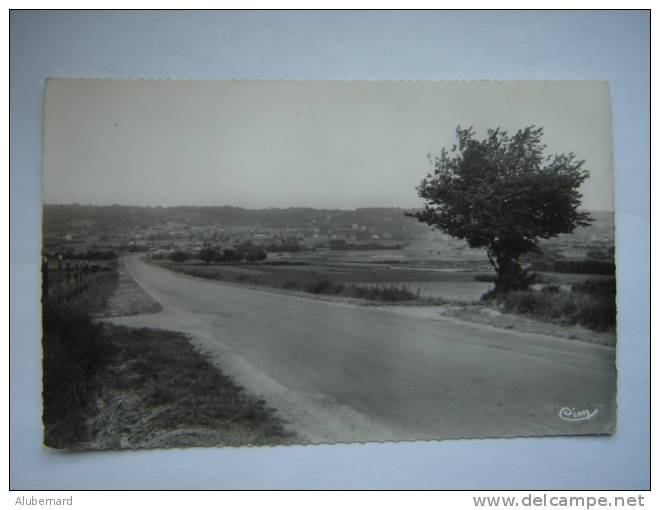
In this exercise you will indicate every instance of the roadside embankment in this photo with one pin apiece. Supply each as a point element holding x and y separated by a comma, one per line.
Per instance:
<point>107,386</point>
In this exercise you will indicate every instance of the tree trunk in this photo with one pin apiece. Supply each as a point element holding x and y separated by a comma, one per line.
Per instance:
<point>510,274</point>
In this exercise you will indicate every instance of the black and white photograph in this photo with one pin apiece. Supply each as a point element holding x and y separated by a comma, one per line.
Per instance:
<point>260,263</point>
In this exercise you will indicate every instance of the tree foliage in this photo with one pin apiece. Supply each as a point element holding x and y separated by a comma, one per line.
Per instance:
<point>502,193</point>
<point>207,254</point>
<point>178,256</point>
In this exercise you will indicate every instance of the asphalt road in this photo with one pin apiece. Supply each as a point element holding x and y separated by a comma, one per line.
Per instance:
<point>340,372</point>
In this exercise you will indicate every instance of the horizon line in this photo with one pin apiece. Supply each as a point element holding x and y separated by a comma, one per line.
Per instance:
<point>78,204</point>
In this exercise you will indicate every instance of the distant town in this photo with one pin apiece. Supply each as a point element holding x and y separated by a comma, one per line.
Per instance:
<point>100,232</point>
<point>74,229</point>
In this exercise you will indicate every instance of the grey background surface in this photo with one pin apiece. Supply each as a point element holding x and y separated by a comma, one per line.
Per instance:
<point>612,46</point>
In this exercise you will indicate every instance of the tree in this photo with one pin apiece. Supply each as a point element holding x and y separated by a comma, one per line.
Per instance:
<point>503,194</point>
<point>178,256</point>
<point>229,255</point>
<point>255,255</point>
<point>207,254</point>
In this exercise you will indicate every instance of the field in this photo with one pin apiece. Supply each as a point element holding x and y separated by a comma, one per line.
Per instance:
<point>433,268</point>
<point>426,275</point>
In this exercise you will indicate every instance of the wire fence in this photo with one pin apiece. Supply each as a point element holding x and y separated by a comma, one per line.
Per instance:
<point>64,279</point>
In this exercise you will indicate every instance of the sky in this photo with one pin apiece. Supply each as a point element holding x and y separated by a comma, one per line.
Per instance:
<point>323,144</point>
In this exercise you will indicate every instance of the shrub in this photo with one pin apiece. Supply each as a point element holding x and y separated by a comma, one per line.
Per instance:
<point>594,311</point>
<point>551,289</point>
<point>598,313</point>
<point>391,293</point>
<point>598,254</point>
<point>394,293</point>
<point>338,288</point>
<point>255,255</point>
<point>543,278</point>
<point>228,255</point>
<point>178,256</point>
<point>207,254</point>
<point>321,287</point>
<point>587,266</point>
<point>286,246</point>
<point>337,244</point>
<point>596,287</point>
<point>520,301</point>
<point>598,298</point>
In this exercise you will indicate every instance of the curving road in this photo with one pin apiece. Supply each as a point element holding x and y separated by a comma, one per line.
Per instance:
<point>340,372</point>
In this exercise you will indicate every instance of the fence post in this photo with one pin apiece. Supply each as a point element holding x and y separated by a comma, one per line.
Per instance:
<point>44,279</point>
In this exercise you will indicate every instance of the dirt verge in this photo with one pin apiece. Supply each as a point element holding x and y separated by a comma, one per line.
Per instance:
<point>484,314</point>
<point>129,298</point>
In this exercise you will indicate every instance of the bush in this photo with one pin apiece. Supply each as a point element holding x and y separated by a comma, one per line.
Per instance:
<point>594,311</point>
<point>551,289</point>
<point>337,244</point>
<point>544,278</point>
<point>228,255</point>
<point>178,256</point>
<point>547,305</point>
<point>207,254</point>
<point>338,288</point>
<point>596,287</point>
<point>520,301</point>
<point>322,287</point>
<point>286,246</point>
<point>394,293</point>
<point>390,293</point>
<point>598,254</point>
<point>599,303</point>
<point>587,266</point>
<point>255,255</point>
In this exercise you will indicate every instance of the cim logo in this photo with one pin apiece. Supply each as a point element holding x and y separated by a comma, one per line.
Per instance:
<point>571,414</point>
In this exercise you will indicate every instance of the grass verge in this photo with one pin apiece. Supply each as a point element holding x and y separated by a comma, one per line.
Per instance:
<point>108,386</point>
<point>388,293</point>
<point>310,284</point>
<point>73,350</point>
<point>157,391</point>
<point>591,304</point>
